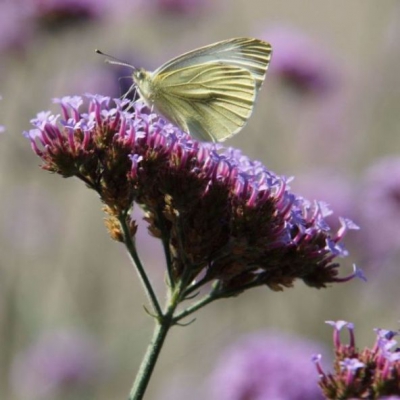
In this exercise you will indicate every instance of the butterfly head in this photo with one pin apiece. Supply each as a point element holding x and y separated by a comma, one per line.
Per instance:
<point>144,84</point>
<point>140,75</point>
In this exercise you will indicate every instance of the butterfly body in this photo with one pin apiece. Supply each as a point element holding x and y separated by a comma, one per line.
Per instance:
<point>208,92</point>
<point>143,83</point>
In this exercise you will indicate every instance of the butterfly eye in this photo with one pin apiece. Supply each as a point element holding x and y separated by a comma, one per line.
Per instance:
<point>139,74</point>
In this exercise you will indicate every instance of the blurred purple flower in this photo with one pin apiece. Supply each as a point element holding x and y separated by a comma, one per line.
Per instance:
<point>379,209</point>
<point>2,129</point>
<point>368,374</point>
<point>189,7</point>
<point>241,225</point>
<point>15,25</point>
<point>302,63</point>
<point>267,366</point>
<point>58,362</point>
<point>59,13</point>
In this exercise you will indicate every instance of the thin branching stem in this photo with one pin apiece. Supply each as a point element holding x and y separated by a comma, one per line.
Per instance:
<point>195,286</point>
<point>163,324</point>
<point>165,242</point>
<point>194,307</point>
<point>151,356</point>
<point>131,248</point>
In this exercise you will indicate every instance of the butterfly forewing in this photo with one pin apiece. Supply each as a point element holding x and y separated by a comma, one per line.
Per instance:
<point>251,54</point>
<point>210,101</point>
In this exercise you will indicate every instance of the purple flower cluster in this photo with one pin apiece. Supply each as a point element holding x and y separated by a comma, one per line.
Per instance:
<point>20,20</point>
<point>368,374</point>
<point>267,366</point>
<point>225,218</point>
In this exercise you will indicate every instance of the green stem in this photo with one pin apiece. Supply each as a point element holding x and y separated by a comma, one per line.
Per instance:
<point>133,255</point>
<point>163,325</point>
<point>165,242</point>
<point>150,359</point>
<point>196,306</point>
<point>213,295</point>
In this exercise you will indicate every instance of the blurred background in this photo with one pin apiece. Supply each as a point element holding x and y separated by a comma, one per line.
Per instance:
<point>72,323</point>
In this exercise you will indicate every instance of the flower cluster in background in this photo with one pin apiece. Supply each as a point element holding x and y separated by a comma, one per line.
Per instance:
<point>15,26</point>
<point>302,63</point>
<point>368,374</point>
<point>58,363</point>
<point>21,20</point>
<point>372,201</point>
<point>379,212</point>
<point>180,7</point>
<point>267,365</point>
<point>2,129</point>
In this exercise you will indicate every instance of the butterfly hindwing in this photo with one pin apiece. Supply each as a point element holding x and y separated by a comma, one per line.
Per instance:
<point>210,101</point>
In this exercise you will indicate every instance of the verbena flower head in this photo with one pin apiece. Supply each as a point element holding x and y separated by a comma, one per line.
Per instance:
<point>368,374</point>
<point>337,190</point>
<point>267,366</point>
<point>226,219</point>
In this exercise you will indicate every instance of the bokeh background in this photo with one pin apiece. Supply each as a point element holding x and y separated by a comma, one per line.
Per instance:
<point>72,323</point>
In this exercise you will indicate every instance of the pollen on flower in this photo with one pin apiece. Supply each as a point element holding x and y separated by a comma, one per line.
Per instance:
<point>224,218</point>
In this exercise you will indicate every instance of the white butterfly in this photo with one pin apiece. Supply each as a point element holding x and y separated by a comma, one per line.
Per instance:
<point>208,92</point>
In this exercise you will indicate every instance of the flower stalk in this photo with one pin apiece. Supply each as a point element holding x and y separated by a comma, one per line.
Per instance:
<point>371,373</point>
<point>163,324</point>
<point>148,288</point>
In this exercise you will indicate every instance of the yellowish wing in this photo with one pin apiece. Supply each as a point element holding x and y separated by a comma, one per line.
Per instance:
<point>211,101</point>
<point>248,53</point>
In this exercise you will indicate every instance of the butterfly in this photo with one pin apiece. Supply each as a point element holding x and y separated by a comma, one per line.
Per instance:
<point>208,92</point>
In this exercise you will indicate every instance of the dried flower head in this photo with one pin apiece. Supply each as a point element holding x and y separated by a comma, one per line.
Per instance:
<point>368,374</point>
<point>225,218</point>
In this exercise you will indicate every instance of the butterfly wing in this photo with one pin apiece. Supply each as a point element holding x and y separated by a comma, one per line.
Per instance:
<point>248,53</point>
<point>211,101</point>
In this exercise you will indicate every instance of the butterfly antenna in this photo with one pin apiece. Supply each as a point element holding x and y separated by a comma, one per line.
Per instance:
<point>114,60</point>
